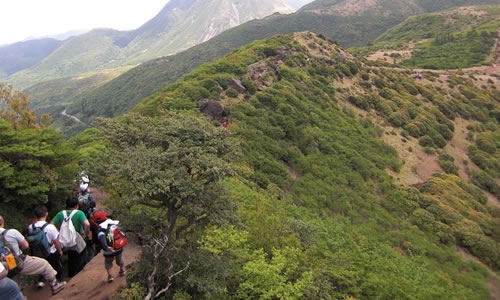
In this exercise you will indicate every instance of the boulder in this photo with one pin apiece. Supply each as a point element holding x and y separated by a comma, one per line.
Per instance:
<point>211,108</point>
<point>236,84</point>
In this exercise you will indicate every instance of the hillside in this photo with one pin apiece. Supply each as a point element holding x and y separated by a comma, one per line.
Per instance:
<point>180,25</point>
<point>125,91</point>
<point>22,55</point>
<point>452,39</point>
<point>354,180</point>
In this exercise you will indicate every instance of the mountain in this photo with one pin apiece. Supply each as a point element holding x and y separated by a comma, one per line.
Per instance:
<point>452,39</point>
<point>354,181</point>
<point>124,92</point>
<point>179,25</point>
<point>296,4</point>
<point>23,55</point>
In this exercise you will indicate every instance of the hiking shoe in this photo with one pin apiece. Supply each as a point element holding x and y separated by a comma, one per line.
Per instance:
<point>110,278</point>
<point>40,284</point>
<point>56,286</point>
<point>122,273</point>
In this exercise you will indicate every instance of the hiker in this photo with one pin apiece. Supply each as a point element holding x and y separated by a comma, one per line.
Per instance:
<point>50,249</point>
<point>108,241</point>
<point>8,287</point>
<point>86,202</point>
<point>30,265</point>
<point>72,217</point>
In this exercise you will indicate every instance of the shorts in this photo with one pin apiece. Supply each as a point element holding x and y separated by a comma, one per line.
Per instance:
<point>108,260</point>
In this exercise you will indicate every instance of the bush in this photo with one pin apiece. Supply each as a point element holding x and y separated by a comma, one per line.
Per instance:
<point>250,86</point>
<point>412,130</point>
<point>449,167</point>
<point>230,92</point>
<point>486,144</point>
<point>426,141</point>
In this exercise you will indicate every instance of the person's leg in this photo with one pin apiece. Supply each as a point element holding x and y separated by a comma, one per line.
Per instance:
<point>55,261</point>
<point>10,290</point>
<point>121,263</point>
<point>72,263</point>
<point>108,264</point>
<point>38,266</point>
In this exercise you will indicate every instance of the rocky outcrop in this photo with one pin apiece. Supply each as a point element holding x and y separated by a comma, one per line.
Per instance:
<point>211,108</point>
<point>236,84</point>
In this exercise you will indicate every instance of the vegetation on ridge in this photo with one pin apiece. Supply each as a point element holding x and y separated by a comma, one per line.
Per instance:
<point>317,215</point>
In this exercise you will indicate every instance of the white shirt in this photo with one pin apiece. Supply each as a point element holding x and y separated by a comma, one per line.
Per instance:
<point>13,238</point>
<point>51,233</point>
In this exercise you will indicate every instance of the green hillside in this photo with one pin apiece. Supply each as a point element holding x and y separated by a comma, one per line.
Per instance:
<point>452,39</point>
<point>124,92</point>
<point>320,210</point>
<point>22,55</point>
<point>171,31</point>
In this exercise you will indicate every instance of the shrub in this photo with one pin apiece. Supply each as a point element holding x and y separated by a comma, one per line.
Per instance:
<point>365,76</point>
<point>426,141</point>
<point>412,130</point>
<point>250,86</point>
<point>486,144</point>
<point>230,92</point>
<point>448,166</point>
<point>396,119</point>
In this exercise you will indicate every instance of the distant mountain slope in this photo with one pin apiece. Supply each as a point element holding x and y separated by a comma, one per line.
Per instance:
<point>452,39</point>
<point>22,55</point>
<point>180,25</point>
<point>123,92</point>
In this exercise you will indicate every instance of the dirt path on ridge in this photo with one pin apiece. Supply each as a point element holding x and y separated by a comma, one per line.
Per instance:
<point>91,282</point>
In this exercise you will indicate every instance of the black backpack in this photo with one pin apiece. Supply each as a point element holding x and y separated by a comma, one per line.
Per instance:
<point>39,245</point>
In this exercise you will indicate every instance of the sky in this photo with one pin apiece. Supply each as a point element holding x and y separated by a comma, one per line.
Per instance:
<point>22,19</point>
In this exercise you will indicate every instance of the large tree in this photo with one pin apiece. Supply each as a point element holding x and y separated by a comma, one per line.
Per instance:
<point>166,171</point>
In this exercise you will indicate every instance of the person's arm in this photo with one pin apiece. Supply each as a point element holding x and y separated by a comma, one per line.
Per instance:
<point>104,243</point>
<point>54,238</point>
<point>86,228</point>
<point>3,271</point>
<point>24,245</point>
<point>58,247</point>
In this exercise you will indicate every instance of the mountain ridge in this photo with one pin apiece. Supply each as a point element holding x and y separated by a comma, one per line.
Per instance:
<point>125,91</point>
<point>177,26</point>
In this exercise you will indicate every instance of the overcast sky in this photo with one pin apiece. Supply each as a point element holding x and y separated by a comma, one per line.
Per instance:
<point>21,19</point>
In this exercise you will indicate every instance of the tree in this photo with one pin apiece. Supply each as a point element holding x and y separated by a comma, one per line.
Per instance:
<point>15,108</point>
<point>395,56</point>
<point>36,165</point>
<point>168,170</point>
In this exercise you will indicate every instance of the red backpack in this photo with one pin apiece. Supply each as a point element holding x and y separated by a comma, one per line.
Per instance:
<point>116,238</point>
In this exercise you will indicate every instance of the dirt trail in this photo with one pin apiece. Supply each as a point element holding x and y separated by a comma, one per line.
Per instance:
<point>91,282</point>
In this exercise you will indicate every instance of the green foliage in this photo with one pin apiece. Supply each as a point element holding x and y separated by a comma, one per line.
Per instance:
<point>445,40</point>
<point>446,162</point>
<point>175,172</point>
<point>318,217</point>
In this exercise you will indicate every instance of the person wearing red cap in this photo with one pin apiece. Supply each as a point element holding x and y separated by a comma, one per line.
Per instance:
<point>109,252</point>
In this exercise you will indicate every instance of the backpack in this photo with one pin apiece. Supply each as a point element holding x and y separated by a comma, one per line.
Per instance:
<point>88,203</point>
<point>115,237</point>
<point>15,263</point>
<point>67,233</point>
<point>39,245</point>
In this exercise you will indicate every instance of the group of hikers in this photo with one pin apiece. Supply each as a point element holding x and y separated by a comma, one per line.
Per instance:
<point>80,231</point>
